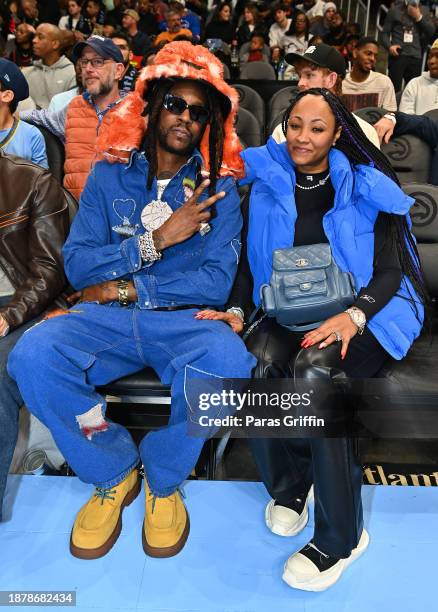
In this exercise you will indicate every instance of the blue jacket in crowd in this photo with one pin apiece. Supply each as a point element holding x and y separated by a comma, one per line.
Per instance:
<point>200,270</point>
<point>361,192</point>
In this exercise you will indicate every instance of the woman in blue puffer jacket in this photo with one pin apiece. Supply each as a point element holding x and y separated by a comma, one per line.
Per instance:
<point>326,184</point>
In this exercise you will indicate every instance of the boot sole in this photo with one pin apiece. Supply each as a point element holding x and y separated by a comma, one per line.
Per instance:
<point>100,551</point>
<point>169,551</point>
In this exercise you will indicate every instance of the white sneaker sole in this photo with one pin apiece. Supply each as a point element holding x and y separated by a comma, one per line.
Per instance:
<point>331,576</point>
<point>282,529</point>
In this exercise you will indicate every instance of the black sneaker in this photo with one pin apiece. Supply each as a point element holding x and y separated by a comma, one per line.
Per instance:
<point>310,569</point>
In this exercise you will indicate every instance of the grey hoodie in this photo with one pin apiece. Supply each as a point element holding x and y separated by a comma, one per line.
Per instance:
<point>398,20</point>
<point>46,81</point>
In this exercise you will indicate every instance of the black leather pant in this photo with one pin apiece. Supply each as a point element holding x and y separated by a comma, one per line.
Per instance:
<point>288,467</point>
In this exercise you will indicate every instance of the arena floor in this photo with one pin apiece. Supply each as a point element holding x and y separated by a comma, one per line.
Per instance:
<point>231,562</point>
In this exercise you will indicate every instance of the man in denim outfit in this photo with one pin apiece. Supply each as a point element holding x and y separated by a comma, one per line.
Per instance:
<point>145,253</point>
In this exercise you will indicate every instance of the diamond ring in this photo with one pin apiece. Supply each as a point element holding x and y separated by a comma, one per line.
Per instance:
<point>337,336</point>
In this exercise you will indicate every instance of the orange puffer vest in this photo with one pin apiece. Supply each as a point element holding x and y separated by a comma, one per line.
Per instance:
<point>81,128</point>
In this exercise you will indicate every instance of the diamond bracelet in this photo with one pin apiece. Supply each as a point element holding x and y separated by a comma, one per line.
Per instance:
<point>147,248</point>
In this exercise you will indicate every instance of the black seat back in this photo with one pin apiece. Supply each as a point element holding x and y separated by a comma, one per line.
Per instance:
<point>424,215</point>
<point>55,153</point>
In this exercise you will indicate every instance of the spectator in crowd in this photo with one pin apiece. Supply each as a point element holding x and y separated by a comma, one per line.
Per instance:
<point>110,28</point>
<point>22,53</point>
<point>71,20</point>
<point>363,87</point>
<point>200,270</point>
<point>314,9</point>
<point>49,11</point>
<point>323,66</point>
<point>116,14</point>
<point>9,18</point>
<point>52,72</point>
<point>221,25</point>
<point>31,274</point>
<point>337,33</point>
<point>278,29</point>
<point>296,39</point>
<point>406,29</point>
<point>148,22</point>
<point>421,93</point>
<point>16,137</point>
<point>68,41</point>
<point>189,21</point>
<point>92,18</point>
<point>29,13</point>
<point>174,29</point>
<point>353,28</point>
<point>140,42</point>
<point>78,124</point>
<point>322,27</point>
<point>127,82</point>
<point>63,99</point>
<point>255,51</point>
<point>251,23</point>
<point>350,44</point>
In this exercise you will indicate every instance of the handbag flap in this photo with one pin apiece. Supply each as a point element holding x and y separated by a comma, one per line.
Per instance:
<point>307,257</point>
<point>304,278</point>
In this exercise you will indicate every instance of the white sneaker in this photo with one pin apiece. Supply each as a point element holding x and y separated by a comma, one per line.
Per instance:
<point>285,521</point>
<point>312,570</point>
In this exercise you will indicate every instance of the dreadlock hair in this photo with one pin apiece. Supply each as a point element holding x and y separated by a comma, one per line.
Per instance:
<point>154,101</point>
<point>359,150</point>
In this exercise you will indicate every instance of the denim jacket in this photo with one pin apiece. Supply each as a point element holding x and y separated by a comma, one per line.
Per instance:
<point>200,270</point>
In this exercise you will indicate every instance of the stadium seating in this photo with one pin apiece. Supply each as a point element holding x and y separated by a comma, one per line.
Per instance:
<point>257,70</point>
<point>252,101</point>
<point>248,128</point>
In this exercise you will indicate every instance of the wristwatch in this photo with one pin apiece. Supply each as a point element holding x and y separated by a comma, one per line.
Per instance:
<point>122,286</point>
<point>358,317</point>
<point>391,117</point>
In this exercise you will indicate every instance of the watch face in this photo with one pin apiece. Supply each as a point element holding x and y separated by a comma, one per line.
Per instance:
<point>155,214</point>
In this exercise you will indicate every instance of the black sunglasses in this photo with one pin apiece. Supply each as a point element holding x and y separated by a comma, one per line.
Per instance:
<point>177,105</point>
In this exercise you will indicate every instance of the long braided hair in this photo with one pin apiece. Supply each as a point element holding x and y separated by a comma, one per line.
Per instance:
<point>359,150</point>
<point>154,101</point>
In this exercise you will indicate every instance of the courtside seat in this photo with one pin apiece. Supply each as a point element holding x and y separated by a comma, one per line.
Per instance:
<point>416,375</point>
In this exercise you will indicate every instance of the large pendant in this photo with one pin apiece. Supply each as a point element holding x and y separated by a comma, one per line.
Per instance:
<point>155,214</point>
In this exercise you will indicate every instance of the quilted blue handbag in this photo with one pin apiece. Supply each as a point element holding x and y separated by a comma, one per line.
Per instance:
<point>306,287</point>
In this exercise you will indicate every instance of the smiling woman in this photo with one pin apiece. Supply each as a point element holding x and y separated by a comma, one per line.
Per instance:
<point>326,187</point>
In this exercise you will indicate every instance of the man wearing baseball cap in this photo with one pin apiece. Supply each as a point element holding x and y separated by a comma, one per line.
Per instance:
<point>140,42</point>
<point>16,137</point>
<point>77,124</point>
<point>322,66</point>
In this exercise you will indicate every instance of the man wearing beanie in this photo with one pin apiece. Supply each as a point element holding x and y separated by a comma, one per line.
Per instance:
<point>140,42</point>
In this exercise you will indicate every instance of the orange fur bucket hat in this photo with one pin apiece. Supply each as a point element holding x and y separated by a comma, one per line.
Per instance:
<point>177,60</point>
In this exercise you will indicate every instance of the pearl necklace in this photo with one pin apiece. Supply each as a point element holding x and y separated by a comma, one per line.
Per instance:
<point>321,182</point>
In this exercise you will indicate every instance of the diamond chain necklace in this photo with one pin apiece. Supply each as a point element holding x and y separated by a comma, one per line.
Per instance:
<point>321,182</point>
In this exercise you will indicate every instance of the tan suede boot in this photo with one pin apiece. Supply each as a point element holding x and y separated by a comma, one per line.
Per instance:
<point>166,524</point>
<point>99,522</point>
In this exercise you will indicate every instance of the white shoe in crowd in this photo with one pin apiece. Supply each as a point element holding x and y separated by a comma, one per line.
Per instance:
<point>312,570</point>
<point>285,521</point>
